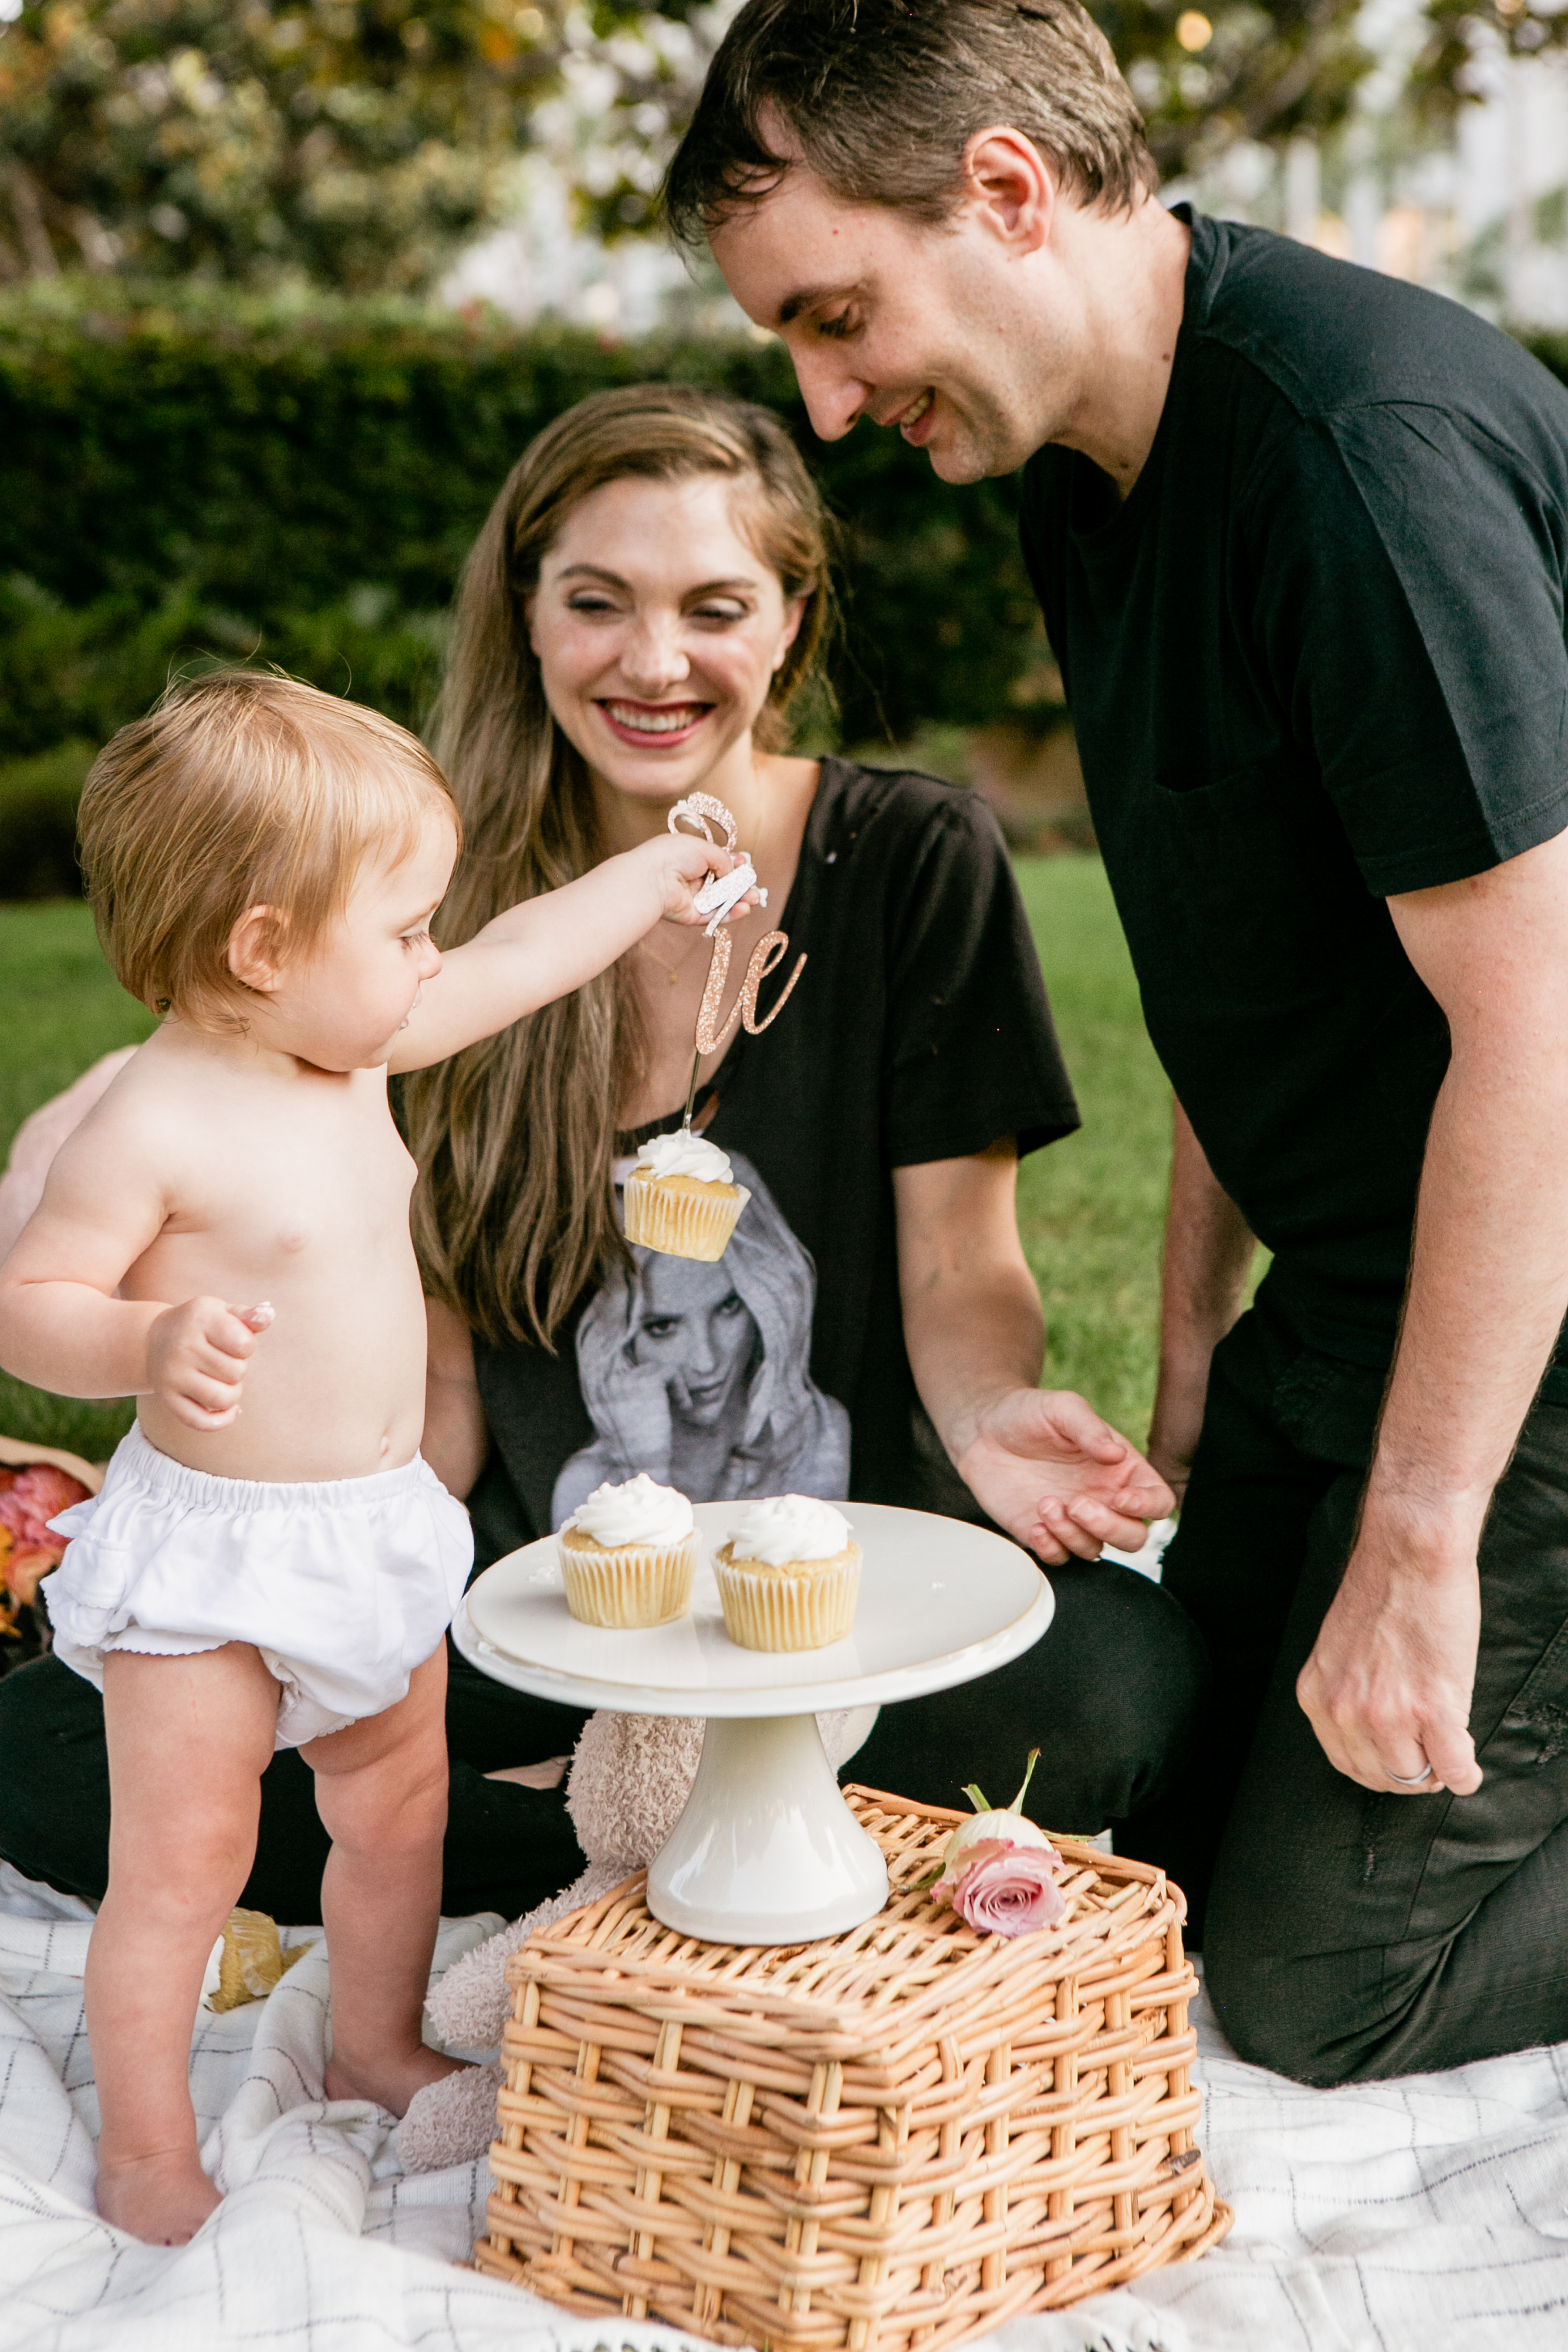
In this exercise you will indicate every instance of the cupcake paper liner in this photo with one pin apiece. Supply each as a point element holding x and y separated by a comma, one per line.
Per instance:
<point>789,1609</point>
<point>632,1585</point>
<point>683,1217</point>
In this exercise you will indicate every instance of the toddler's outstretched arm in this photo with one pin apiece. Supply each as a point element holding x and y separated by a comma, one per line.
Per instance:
<point>61,1325</point>
<point>550,945</point>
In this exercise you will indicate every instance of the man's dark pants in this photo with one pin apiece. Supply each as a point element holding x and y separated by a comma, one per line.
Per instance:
<point>1352,1935</point>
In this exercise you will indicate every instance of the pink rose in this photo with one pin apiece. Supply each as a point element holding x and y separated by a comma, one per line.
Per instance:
<point>33,1498</point>
<point>1001,1889</point>
<point>29,1500</point>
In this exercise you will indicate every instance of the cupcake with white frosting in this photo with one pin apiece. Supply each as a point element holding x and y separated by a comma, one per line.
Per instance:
<point>628,1555</point>
<point>788,1575</point>
<point>681,1197</point>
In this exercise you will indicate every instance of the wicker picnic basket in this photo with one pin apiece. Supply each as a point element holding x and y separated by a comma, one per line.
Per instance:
<point>892,2138</point>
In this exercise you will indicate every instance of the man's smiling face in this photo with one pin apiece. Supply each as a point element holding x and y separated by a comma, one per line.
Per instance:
<point>930,329</point>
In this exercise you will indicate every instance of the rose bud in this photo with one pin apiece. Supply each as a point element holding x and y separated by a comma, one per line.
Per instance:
<point>1007,1823</point>
<point>998,1871</point>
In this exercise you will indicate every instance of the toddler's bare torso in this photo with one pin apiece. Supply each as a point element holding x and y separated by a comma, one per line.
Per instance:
<point>292,1189</point>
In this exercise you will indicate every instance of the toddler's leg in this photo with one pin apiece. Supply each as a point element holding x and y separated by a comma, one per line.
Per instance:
<point>188,1741</point>
<point>381,1787</point>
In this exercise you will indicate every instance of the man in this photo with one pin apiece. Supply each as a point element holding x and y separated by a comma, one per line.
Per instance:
<point>1300,536</point>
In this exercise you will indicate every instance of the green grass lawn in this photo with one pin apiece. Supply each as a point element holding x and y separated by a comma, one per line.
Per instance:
<point>1091,1208</point>
<point>63,1008</point>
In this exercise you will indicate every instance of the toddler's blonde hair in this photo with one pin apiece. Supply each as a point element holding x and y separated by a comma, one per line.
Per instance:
<point>241,789</point>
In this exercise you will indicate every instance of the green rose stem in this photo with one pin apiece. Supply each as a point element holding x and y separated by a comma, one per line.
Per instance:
<point>977,1796</point>
<point>1009,1824</point>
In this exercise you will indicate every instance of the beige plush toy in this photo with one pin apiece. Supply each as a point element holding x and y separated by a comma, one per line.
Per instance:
<point>629,1781</point>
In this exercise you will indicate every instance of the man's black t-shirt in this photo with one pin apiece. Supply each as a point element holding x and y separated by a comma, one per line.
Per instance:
<point>1316,658</point>
<point>917,1031</point>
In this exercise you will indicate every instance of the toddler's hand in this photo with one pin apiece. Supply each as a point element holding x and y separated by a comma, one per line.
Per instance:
<point>196,1357</point>
<point>681,863</point>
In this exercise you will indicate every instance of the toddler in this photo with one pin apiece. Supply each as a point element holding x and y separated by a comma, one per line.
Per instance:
<point>270,1563</point>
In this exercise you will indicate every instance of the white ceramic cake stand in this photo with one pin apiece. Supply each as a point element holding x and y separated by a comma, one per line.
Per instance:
<point>767,1852</point>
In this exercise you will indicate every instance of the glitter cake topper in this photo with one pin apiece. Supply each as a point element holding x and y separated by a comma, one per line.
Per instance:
<point>766,957</point>
<point>720,891</point>
<point>700,811</point>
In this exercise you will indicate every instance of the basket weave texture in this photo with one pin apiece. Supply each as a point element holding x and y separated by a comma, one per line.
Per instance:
<point>896,2137</point>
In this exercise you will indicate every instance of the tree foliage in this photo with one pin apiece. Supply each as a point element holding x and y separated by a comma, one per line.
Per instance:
<point>356,144</point>
<point>1205,76</point>
<point>353,143</point>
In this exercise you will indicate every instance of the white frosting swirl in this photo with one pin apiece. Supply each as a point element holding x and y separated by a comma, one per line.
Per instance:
<point>785,1528</point>
<point>638,1512</point>
<point>681,1154</point>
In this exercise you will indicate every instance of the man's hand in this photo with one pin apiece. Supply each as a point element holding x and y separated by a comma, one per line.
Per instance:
<point>196,1358</point>
<point>1387,1688</point>
<point>1058,1478</point>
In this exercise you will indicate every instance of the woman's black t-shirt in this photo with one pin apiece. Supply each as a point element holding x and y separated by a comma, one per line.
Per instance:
<point>919,1030</point>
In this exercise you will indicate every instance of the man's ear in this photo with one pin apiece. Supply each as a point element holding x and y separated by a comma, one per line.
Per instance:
<point>1011,186</point>
<point>255,949</point>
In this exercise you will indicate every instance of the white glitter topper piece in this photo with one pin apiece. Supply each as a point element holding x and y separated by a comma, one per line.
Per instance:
<point>721,892</point>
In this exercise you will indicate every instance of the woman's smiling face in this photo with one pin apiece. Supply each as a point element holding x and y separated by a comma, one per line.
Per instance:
<point>657,630</point>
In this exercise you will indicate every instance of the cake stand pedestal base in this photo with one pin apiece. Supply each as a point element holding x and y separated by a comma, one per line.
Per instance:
<point>767,1852</point>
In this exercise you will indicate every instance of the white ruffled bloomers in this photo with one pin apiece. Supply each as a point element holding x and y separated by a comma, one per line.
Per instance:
<point>344,1585</point>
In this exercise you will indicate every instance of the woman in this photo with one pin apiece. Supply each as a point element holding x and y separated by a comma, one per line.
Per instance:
<point>648,597</point>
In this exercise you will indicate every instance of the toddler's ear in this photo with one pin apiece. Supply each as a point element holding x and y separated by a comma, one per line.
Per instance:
<point>254,947</point>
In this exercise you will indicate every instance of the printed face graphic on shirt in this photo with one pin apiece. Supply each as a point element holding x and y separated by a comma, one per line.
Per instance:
<point>700,1374</point>
<point>695,1327</point>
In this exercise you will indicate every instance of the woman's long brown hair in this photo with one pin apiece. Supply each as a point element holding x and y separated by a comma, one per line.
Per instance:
<point>514,1210</point>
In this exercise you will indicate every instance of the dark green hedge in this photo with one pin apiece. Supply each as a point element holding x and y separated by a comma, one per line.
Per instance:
<point>207,474</point>
<point>215,474</point>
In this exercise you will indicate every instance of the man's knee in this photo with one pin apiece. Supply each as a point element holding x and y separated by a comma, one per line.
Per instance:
<point>1301,2016</point>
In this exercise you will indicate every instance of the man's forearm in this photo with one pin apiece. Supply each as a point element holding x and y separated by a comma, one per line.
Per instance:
<point>1388,1685</point>
<point>1208,1253</point>
<point>1489,1287</point>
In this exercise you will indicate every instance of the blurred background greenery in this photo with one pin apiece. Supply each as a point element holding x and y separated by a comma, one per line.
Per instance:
<point>359,143</point>
<point>253,407</point>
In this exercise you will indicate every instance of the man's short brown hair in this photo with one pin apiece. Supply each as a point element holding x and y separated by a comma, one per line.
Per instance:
<point>241,789</point>
<point>880,99</point>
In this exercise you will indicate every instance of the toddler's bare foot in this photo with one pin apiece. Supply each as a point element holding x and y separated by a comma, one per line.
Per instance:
<point>391,2081</point>
<point>163,2199</point>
